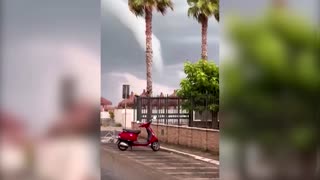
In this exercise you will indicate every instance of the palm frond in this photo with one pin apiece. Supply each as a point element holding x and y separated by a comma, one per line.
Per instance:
<point>203,9</point>
<point>137,7</point>
<point>193,12</point>
<point>163,5</point>
<point>151,4</point>
<point>217,15</point>
<point>191,2</point>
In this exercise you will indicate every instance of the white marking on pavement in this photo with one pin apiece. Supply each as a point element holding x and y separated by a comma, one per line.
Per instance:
<point>183,168</point>
<point>200,178</point>
<point>171,163</point>
<point>155,156</point>
<point>194,156</point>
<point>190,173</point>
<point>186,163</point>
<point>154,163</point>
<point>153,160</point>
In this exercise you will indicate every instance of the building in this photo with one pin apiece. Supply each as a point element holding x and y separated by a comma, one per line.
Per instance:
<point>105,104</point>
<point>157,102</point>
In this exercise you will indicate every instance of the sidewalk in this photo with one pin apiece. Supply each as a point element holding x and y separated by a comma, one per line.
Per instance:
<point>189,150</point>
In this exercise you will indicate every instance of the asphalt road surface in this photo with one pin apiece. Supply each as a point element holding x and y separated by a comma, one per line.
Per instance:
<point>143,164</point>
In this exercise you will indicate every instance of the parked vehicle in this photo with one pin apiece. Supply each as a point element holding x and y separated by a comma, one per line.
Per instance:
<point>129,138</point>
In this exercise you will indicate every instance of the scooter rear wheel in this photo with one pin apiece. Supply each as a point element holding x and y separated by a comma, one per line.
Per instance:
<point>122,148</point>
<point>155,146</point>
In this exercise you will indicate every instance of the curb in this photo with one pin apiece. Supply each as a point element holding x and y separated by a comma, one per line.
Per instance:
<point>212,161</point>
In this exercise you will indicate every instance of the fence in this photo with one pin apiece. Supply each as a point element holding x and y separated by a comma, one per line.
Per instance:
<point>177,111</point>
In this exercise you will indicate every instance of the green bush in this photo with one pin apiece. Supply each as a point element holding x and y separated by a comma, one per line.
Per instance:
<point>201,86</point>
<point>111,114</point>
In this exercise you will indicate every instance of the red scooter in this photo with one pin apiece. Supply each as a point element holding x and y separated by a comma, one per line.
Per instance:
<point>128,138</point>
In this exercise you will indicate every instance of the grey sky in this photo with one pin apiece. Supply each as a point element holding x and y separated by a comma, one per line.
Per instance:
<point>180,39</point>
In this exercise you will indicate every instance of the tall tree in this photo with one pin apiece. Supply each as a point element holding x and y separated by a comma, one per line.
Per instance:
<point>201,87</point>
<point>202,10</point>
<point>144,8</point>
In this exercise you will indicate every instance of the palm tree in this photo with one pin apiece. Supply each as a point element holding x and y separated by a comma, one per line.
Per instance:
<point>202,10</point>
<point>144,9</point>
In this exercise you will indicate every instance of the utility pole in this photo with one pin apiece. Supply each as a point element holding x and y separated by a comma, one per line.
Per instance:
<point>125,114</point>
<point>125,96</point>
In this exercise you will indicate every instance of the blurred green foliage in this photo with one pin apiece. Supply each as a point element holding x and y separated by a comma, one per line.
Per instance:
<point>201,86</point>
<point>271,87</point>
<point>111,114</point>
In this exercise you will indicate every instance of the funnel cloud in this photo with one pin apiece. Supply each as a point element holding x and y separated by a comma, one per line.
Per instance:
<point>136,25</point>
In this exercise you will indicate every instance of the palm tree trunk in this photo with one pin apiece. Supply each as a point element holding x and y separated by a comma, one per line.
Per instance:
<point>149,52</point>
<point>204,33</point>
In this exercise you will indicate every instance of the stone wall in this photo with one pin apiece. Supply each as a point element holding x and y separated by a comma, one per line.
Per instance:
<point>200,138</point>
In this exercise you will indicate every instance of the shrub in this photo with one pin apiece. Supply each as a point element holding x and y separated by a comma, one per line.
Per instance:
<point>111,114</point>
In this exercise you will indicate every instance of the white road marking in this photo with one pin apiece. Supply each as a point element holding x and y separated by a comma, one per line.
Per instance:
<point>154,164</point>
<point>153,160</point>
<point>154,156</point>
<point>183,168</point>
<point>194,156</point>
<point>190,173</point>
<point>200,178</point>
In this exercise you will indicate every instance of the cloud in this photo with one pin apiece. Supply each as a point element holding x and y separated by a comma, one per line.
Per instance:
<point>195,40</point>
<point>181,74</point>
<point>181,7</point>
<point>117,79</point>
<point>136,25</point>
<point>177,70</point>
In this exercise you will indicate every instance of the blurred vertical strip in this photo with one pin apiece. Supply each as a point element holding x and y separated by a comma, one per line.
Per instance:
<point>67,93</point>
<point>1,53</point>
<point>270,90</point>
<point>50,89</point>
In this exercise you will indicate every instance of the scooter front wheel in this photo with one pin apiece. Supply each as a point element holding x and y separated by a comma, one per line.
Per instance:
<point>122,147</point>
<point>155,146</point>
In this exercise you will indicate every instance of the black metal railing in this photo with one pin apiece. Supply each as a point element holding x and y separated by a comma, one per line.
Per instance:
<point>177,111</point>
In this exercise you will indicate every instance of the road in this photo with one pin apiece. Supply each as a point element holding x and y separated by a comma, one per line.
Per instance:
<point>142,164</point>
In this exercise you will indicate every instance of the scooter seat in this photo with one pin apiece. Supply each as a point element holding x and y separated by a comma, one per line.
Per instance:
<point>132,131</point>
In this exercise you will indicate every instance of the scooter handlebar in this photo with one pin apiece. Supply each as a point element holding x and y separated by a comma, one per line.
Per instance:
<point>141,124</point>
